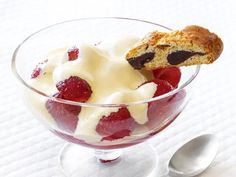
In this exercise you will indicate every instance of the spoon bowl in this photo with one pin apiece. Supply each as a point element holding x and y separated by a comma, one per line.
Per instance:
<point>194,157</point>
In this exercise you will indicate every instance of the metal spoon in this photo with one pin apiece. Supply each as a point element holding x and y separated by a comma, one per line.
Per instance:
<point>194,157</point>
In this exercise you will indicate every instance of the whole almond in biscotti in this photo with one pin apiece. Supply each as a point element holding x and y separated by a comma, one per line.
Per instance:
<point>193,45</point>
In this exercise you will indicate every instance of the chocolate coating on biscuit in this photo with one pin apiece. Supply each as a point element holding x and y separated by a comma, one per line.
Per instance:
<point>138,62</point>
<point>180,56</point>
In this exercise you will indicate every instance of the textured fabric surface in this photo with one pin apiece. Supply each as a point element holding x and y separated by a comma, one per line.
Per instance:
<point>28,149</point>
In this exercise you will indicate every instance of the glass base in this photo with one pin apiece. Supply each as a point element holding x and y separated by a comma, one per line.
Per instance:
<point>136,161</point>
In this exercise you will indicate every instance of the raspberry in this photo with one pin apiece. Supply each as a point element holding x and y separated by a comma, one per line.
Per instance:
<point>38,69</point>
<point>73,54</point>
<point>36,72</point>
<point>75,89</point>
<point>162,87</point>
<point>65,115</point>
<point>167,108</point>
<point>171,74</point>
<point>156,109</point>
<point>117,125</point>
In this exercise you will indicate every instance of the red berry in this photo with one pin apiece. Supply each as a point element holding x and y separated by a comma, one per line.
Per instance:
<point>117,125</point>
<point>36,72</point>
<point>166,108</point>
<point>65,115</point>
<point>171,74</point>
<point>73,54</point>
<point>75,89</point>
<point>156,109</point>
<point>162,87</point>
<point>38,69</point>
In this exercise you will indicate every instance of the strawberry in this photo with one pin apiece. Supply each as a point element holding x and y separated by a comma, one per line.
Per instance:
<point>170,74</point>
<point>116,125</point>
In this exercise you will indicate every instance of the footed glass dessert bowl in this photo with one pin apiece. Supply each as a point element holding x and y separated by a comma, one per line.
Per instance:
<point>84,91</point>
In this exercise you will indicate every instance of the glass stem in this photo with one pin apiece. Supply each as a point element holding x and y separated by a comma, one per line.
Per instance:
<point>105,156</point>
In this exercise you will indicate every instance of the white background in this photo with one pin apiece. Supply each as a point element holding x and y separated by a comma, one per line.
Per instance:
<point>27,149</point>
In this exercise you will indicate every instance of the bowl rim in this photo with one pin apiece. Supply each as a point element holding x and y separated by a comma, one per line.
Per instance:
<point>50,97</point>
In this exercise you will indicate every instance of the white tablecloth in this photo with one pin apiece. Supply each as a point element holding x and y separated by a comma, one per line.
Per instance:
<point>27,149</point>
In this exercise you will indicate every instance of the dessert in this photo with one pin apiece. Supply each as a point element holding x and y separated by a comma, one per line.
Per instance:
<point>96,97</point>
<point>99,74</point>
<point>85,91</point>
<point>190,46</point>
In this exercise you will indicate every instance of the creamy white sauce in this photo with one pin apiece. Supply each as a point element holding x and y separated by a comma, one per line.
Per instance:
<point>111,78</point>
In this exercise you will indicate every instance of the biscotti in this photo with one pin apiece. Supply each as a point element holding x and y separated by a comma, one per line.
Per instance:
<point>194,45</point>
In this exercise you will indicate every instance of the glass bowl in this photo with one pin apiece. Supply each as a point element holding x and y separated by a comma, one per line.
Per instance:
<point>123,133</point>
